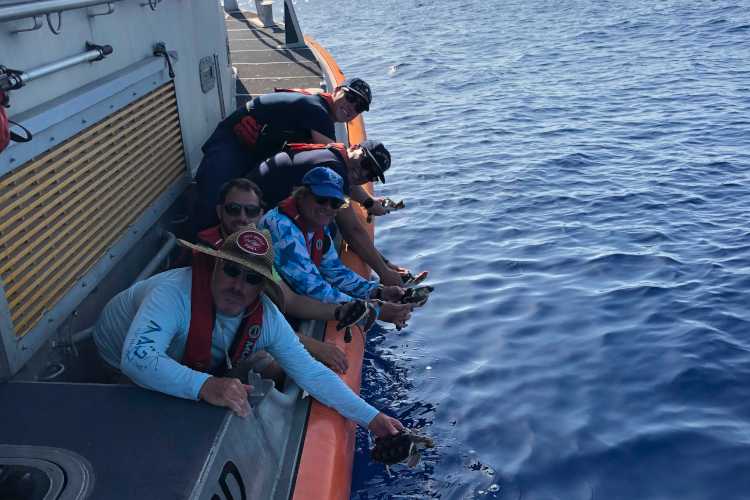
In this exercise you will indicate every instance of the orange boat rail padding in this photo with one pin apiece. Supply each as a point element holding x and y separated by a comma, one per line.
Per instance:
<point>325,468</point>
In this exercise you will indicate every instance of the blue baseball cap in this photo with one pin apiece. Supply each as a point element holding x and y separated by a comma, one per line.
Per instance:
<point>377,153</point>
<point>325,182</point>
<point>359,87</point>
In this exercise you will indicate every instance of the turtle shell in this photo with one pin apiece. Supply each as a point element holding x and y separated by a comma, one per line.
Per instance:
<point>391,450</point>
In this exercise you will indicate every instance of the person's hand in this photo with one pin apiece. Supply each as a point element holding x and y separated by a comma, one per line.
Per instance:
<point>382,425</point>
<point>392,293</point>
<point>228,393</point>
<point>377,208</point>
<point>390,277</point>
<point>398,314</point>
<point>329,355</point>
<point>395,267</point>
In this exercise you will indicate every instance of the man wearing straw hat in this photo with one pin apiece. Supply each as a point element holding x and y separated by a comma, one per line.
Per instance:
<point>179,331</point>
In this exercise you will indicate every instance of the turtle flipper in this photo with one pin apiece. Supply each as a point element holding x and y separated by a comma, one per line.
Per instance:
<point>414,457</point>
<point>388,471</point>
<point>372,315</point>
<point>348,334</point>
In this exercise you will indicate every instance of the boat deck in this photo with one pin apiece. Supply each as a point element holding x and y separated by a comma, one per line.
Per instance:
<point>261,63</point>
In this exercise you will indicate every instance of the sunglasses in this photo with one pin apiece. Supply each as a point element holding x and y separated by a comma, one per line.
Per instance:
<point>359,107</point>
<point>251,277</point>
<point>372,171</point>
<point>234,209</point>
<point>335,202</point>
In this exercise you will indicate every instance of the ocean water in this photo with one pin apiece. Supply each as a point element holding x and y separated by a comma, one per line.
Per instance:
<point>576,176</point>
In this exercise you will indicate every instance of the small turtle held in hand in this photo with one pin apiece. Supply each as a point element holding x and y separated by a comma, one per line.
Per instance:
<point>389,205</point>
<point>411,280</point>
<point>391,450</point>
<point>417,295</point>
<point>358,311</point>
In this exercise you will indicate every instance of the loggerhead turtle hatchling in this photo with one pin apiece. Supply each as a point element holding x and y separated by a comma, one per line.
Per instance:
<point>391,450</point>
<point>389,205</point>
<point>417,295</point>
<point>411,280</point>
<point>359,310</point>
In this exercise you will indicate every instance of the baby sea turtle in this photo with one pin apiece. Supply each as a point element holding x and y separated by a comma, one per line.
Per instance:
<point>417,295</point>
<point>411,280</point>
<point>391,450</point>
<point>389,206</point>
<point>359,310</point>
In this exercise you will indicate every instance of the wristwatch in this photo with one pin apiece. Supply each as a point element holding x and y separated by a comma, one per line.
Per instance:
<point>369,202</point>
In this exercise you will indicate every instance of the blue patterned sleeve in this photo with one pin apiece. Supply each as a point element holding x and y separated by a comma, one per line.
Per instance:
<point>293,261</point>
<point>343,278</point>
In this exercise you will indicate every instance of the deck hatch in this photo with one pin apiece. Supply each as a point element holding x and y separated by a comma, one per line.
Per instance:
<point>61,211</point>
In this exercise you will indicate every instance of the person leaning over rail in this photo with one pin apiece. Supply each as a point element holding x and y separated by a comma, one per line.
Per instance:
<point>258,129</point>
<point>304,255</point>
<point>357,165</point>
<point>239,206</point>
<point>179,331</point>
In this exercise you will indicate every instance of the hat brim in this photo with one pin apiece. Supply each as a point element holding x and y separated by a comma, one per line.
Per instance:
<point>327,191</point>
<point>277,295</point>
<point>380,175</point>
<point>367,104</point>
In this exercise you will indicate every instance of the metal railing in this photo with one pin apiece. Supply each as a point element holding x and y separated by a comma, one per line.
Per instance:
<point>37,9</point>
<point>13,79</point>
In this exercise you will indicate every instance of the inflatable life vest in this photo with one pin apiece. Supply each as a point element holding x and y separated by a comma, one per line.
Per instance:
<point>320,243</point>
<point>203,317</point>
<point>248,131</point>
<point>5,133</point>
<point>336,147</point>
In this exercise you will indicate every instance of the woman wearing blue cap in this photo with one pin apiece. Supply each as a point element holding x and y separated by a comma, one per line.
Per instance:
<point>259,129</point>
<point>304,256</point>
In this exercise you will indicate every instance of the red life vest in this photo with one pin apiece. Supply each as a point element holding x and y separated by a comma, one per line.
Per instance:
<point>6,135</point>
<point>325,95</point>
<point>336,147</point>
<point>203,317</point>
<point>320,242</point>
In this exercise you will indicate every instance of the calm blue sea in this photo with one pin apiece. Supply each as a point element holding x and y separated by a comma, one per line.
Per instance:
<point>577,178</point>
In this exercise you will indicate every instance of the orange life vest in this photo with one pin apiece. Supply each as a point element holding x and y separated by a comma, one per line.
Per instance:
<point>336,147</point>
<point>320,242</point>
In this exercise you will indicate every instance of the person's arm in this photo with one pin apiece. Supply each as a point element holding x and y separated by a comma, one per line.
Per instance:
<point>293,263</point>
<point>303,307</point>
<point>344,279</point>
<point>162,315</point>
<point>358,194</point>
<point>328,354</point>
<point>357,237</point>
<point>324,385</point>
<point>318,138</point>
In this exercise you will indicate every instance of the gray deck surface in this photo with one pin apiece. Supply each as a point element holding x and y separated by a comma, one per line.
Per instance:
<point>259,62</point>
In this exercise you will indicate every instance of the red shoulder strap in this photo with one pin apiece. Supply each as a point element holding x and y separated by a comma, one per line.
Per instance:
<point>289,208</point>
<point>212,237</point>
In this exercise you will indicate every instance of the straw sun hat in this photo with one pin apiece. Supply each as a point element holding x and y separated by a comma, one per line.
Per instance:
<point>253,249</point>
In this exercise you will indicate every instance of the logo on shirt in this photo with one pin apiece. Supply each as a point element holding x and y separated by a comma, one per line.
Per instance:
<point>319,244</point>
<point>253,242</point>
<point>254,332</point>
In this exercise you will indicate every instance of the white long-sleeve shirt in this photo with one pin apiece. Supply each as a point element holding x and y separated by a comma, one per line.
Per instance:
<point>143,331</point>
